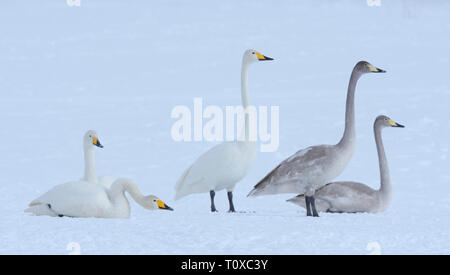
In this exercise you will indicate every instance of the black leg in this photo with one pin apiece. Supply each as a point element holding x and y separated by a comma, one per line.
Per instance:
<point>230,200</point>
<point>308,205</point>
<point>213,207</point>
<point>313,205</point>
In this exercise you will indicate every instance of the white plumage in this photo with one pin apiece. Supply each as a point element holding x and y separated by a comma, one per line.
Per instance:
<point>86,199</point>
<point>226,164</point>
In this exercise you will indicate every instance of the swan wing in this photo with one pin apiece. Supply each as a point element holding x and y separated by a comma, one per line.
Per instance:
<point>190,182</point>
<point>343,197</point>
<point>218,165</point>
<point>292,174</point>
<point>75,199</point>
<point>348,189</point>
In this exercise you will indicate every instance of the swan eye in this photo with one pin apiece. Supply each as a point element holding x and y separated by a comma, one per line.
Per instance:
<point>253,52</point>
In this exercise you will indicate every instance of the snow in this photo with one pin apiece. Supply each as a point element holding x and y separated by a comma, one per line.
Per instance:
<point>119,67</point>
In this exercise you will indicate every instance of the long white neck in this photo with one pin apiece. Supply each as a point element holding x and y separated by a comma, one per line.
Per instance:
<point>245,96</point>
<point>90,172</point>
<point>121,206</point>
<point>385,180</point>
<point>349,136</point>
<point>120,186</point>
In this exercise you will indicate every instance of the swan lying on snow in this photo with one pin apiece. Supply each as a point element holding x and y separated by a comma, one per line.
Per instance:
<point>86,199</point>
<point>92,196</point>
<point>353,197</point>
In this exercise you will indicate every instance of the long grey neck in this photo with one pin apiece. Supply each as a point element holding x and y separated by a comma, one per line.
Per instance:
<point>349,132</point>
<point>245,96</point>
<point>90,172</point>
<point>385,187</point>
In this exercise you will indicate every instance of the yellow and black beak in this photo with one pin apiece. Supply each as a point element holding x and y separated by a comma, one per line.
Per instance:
<point>395,124</point>
<point>96,142</point>
<point>263,57</point>
<point>163,206</point>
<point>374,69</point>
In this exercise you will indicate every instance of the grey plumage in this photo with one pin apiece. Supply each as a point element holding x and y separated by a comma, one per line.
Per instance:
<point>313,167</point>
<point>354,197</point>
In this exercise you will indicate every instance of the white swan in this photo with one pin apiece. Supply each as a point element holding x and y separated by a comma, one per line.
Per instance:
<point>313,167</point>
<point>87,199</point>
<point>354,197</point>
<point>224,165</point>
<point>90,139</point>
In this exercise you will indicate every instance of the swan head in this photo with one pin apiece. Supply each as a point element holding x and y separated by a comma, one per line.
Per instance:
<point>364,67</point>
<point>385,121</point>
<point>252,56</point>
<point>91,139</point>
<point>153,203</point>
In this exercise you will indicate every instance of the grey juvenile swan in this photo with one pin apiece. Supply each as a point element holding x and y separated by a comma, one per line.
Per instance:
<point>354,197</point>
<point>313,167</point>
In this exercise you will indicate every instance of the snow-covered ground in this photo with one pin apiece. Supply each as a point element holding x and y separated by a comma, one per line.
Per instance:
<point>119,67</point>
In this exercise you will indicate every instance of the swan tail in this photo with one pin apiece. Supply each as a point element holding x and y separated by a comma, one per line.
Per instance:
<point>189,188</point>
<point>40,209</point>
<point>253,193</point>
<point>180,187</point>
<point>260,188</point>
<point>179,195</point>
<point>35,202</point>
<point>299,199</point>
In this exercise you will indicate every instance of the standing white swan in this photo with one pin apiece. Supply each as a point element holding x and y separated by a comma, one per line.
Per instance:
<point>223,165</point>
<point>313,167</point>
<point>354,197</point>
<point>87,199</point>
